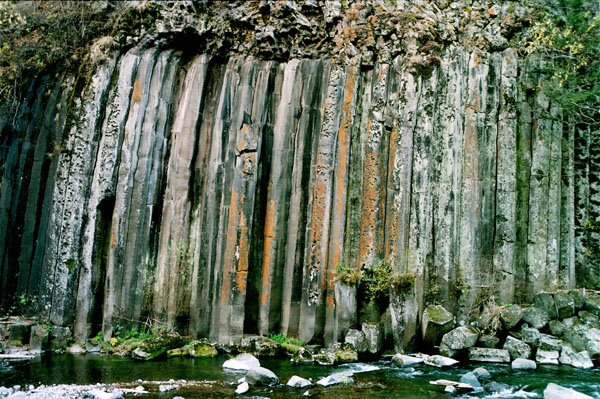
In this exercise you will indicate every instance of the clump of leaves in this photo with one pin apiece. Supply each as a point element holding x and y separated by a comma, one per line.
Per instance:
<point>375,281</point>
<point>282,339</point>
<point>346,274</point>
<point>402,282</point>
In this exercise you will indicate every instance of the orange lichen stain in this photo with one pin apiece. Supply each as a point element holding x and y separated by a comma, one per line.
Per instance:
<point>269,250</point>
<point>243,251</point>
<point>229,263</point>
<point>136,96</point>
<point>330,301</point>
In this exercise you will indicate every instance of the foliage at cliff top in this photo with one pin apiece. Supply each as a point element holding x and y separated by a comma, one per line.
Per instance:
<point>568,35</point>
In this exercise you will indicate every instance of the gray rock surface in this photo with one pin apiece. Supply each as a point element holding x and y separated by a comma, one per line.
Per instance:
<point>243,361</point>
<point>547,357</point>
<point>579,360</point>
<point>298,382</point>
<point>261,376</point>
<point>489,355</point>
<point>517,348</point>
<point>555,391</point>
<point>461,338</point>
<point>357,339</point>
<point>400,359</point>
<point>511,316</point>
<point>523,364</point>
<point>537,318</point>
<point>437,321</point>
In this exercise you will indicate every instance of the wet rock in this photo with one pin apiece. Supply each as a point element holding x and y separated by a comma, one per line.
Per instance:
<point>155,347</point>
<point>579,360</point>
<point>530,336</point>
<point>489,355</point>
<point>38,342</point>
<point>19,333</point>
<point>404,360</point>
<point>565,305</point>
<point>454,384</point>
<point>578,298</point>
<point>557,327</point>
<point>498,387</point>
<point>517,348</point>
<point>511,316</point>
<point>303,356</point>
<point>536,317</point>
<point>59,337</point>
<point>168,387</point>
<point>298,382</point>
<point>243,361</point>
<point>488,341</point>
<point>482,374</point>
<point>373,336</point>
<point>357,339</point>
<point>592,304</point>
<point>261,376</point>
<point>437,321</point>
<point>461,338</point>
<point>99,394</point>
<point>451,389</point>
<point>545,302</point>
<point>267,348</point>
<point>345,354</point>
<point>93,346</point>
<point>242,388</point>
<point>335,379</point>
<point>547,357</point>
<point>324,358</point>
<point>75,349</point>
<point>523,364</point>
<point>439,361</point>
<point>470,379</point>
<point>555,391</point>
<point>549,343</point>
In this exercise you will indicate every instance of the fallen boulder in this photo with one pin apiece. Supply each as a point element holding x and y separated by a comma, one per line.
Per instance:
<point>243,361</point>
<point>298,382</point>
<point>437,321</point>
<point>261,376</point>
<point>489,355</point>
<point>517,348</point>
<point>523,364</point>
<point>555,391</point>
<point>404,360</point>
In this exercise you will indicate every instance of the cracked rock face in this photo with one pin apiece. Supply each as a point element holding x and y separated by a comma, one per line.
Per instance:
<point>216,189</point>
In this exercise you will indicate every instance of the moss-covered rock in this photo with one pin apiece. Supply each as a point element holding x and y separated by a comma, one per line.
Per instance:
<point>202,349</point>
<point>154,347</point>
<point>345,354</point>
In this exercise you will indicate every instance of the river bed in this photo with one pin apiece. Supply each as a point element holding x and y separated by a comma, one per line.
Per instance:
<point>205,378</point>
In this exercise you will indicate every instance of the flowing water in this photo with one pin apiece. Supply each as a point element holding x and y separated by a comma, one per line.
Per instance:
<point>204,378</point>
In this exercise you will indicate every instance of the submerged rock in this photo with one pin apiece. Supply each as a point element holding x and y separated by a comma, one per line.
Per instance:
<point>334,379</point>
<point>298,382</point>
<point>261,376</point>
<point>555,391</point>
<point>400,359</point>
<point>243,361</point>
<point>482,374</point>
<point>470,379</point>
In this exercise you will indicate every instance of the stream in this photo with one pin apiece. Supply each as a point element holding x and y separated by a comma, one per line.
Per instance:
<point>205,378</point>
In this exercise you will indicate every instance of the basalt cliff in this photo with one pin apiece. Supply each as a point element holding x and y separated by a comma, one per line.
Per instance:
<point>216,172</point>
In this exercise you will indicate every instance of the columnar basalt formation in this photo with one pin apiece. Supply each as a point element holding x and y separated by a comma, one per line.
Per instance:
<point>218,195</point>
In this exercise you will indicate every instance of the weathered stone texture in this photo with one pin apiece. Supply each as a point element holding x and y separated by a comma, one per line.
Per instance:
<point>218,195</point>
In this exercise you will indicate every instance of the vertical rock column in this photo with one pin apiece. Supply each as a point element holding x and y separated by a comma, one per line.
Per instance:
<point>62,256</point>
<point>173,265</point>
<point>138,187</point>
<point>103,187</point>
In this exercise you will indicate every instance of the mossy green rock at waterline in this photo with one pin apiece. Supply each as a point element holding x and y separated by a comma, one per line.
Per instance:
<point>154,347</point>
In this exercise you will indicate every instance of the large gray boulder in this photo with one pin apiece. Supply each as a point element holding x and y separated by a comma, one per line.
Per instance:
<point>261,376</point>
<point>536,317</point>
<point>578,297</point>
<point>400,359</point>
<point>565,305</point>
<point>373,336</point>
<point>489,355</point>
<point>557,327</point>
<point>549,343</point>
<point>488,341</point>
<point>461,338</point>
<point>547,357</point>
<point>437,321</point>
<point>592,304</point>
<point>588,318</point>
<point>243,361</point>
<point>511,316</point>
<point>298,382</point>
<point>554,391</point>
<point>579,360</point>
<point>545,302</point>
<point>357,339</point>
<point>335,379</point>
<point>584,338</point>
<point>471,379</point>
<point>523,364</point>
<point>38,342</point>
<point>530,336</point>
<point>439,361</point>
<point>517,348</point>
